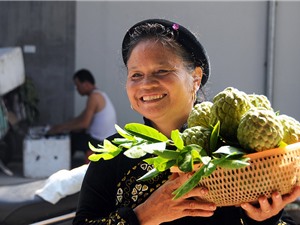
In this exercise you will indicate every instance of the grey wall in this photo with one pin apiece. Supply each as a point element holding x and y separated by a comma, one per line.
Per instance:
<point>49,27</point>
<point>287,59</point>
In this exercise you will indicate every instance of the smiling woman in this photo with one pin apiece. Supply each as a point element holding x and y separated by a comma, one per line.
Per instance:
<point>166,67</point>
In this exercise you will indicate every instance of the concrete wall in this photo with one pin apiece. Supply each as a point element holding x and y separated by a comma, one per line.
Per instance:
<point>287,59</point>
<point>46,33</point>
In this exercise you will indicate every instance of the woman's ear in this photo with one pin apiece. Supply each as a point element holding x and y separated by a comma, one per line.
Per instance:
<point>197,75</point>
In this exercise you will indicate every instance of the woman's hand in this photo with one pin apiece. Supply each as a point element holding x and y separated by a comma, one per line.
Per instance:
<point>267,209</point>
<point>160,206</point>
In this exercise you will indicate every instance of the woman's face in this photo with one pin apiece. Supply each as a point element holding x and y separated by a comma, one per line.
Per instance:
<point>158,85</point>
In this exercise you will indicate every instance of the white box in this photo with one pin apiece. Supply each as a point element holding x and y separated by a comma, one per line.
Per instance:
<point>12,69</point>
<point>45,156</point>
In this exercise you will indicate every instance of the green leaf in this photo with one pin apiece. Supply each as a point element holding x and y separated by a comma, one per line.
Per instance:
<point>108,151</point>
<point>150,148</point>
<point>197,152</point>
<point>138,151</point>
<point>149,175</point>
<point>229,150</point>
<point>204,171</point>
<point>186,163</point>
<point>211,166</point>
<point>282,144</point>
<point>196,155</point>
<point>107,147</point>
<point>176,138</point>
<point>105,156</point>
<point>123,133</point>
<point>214,137</point>
<point>124,143</point>
<point>189,184</point>
<point>162,164</point>
<point>150,161</point>
<point>167,154</point>
<point>169,164</point>
<point>205,159</point>
<point>235,163</point>
<point>146,132</point>
<point>135,152</point>
<point>191,147</point>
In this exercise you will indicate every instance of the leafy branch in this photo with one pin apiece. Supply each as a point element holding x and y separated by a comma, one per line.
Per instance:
<point>138,140</point>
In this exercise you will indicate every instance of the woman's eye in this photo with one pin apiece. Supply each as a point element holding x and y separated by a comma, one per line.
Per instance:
<point>135,75</point>
<point>163,72</point>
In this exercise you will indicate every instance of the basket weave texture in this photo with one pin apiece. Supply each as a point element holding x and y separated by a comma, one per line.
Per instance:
<point>270,170</point>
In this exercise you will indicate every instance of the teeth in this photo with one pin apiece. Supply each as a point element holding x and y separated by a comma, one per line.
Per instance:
<point>152,97</point>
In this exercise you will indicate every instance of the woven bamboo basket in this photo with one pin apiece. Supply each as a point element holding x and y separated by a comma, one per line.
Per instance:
<point>270,170</point>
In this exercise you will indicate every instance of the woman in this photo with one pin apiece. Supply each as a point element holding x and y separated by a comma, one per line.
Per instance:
<point>166,67</point>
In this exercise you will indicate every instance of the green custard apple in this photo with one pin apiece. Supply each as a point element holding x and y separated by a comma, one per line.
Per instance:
<point>200,114</point>
<point>291,128</point>
<point>228,108</point>
<point>260,101</point>
<point>197,135</point>
<point>259,129</point>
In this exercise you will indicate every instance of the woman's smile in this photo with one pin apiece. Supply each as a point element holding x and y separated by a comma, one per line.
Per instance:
<point>152,98</point>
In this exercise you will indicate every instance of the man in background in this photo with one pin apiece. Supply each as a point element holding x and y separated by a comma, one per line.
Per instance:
<point>95,123</point>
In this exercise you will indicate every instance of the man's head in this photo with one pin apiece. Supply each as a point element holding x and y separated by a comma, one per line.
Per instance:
<point>84,81</point>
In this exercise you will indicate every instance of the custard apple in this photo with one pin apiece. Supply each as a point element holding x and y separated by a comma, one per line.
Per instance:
<point>200,114</point>
<point>197,135</point>
<point>260,101</point>
<point>259,129</point>
<point>228,107</point>
<point>291,128</point>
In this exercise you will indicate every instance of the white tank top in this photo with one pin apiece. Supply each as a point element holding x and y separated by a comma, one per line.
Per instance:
<point>103,122</point>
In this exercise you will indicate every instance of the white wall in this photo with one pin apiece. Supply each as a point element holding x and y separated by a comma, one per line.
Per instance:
<point>234,33</point>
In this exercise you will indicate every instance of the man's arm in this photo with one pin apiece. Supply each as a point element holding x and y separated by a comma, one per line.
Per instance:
<point>95,103</point>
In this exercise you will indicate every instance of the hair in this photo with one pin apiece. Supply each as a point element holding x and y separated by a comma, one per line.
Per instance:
<point>84,75</point>
<point>162,34</point>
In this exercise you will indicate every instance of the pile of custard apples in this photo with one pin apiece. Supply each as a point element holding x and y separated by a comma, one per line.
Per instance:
<point>246,120</point>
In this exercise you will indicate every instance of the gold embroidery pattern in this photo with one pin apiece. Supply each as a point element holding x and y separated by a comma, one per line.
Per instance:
<point>282,223</point>
<point>114,218</point>
<point>242,221</point>
<point>131,192</point>
<point>138,190</point>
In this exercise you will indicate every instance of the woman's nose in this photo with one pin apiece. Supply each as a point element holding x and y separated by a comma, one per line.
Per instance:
<point>150,80</point>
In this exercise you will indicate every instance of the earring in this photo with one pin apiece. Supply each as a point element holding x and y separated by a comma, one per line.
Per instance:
<point>194,96</point>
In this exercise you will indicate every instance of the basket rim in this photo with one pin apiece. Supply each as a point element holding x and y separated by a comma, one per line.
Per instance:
<point>256,155</point>
<point>274,151</point>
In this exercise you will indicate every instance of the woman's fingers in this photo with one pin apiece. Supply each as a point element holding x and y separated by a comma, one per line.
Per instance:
<point>191,203</point>
<point>268,208</point>
<point>162,204</point>
<point>291,197</point>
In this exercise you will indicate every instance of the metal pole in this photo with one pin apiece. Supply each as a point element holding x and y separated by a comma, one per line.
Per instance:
<point>270,49</point>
